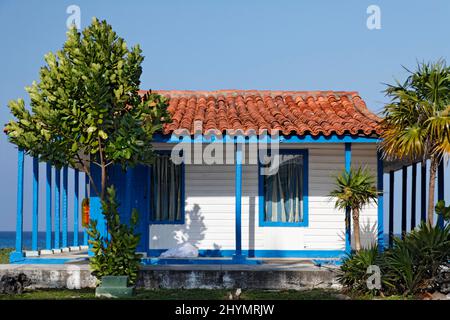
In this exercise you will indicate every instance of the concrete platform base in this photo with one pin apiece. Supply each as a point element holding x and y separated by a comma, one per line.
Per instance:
<point>297,276</point>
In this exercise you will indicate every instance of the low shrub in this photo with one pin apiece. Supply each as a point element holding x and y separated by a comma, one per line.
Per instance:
<point>411,266</point>
<point>353,272</point>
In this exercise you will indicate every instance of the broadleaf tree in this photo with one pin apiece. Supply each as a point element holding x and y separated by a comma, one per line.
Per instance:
<point>86,109</point>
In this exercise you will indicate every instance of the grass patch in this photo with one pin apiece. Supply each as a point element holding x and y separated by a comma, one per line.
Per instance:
<point>179,294</point>
<point>4,255</point>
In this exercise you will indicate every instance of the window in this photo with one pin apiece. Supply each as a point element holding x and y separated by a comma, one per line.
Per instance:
<point>167,191</point>
<point>283,195</point>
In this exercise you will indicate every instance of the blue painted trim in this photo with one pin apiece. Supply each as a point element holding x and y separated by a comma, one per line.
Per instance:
<point>348,216</point>
<point>183,195</point>
<point>238,199</point>
<point>263,253</point>
<point>86,195</point>
<point>440,190</point>
<point>35,217</point>
<point>129,179</point>
<point>201,261</point>
<point>26,260</point>
<point>380,202</point>
<point>282,139</point>
<point>76,206</point>
<point>65,208</point>
<point>16,257</point>
<point>48,207</point>
<point>261,201</point>
<point>57,207</point>
<point>19,212</point>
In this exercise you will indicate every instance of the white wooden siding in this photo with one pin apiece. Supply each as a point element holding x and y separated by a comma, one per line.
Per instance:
<point>210,211</point>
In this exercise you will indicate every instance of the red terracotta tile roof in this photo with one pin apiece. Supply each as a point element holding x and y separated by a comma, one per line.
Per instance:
<point>291,112</point>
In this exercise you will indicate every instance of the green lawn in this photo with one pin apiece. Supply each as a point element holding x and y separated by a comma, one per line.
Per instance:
<point>175,294</point>
<point>4,255</point>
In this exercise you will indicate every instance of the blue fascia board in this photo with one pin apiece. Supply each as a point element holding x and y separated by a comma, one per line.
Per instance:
<point>268,139</point>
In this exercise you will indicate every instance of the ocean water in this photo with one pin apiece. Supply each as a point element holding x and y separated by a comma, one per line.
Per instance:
<point>8,239</point>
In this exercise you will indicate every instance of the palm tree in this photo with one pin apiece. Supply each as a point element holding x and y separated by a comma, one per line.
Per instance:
<point>354,190</point>
<point>417,121</point>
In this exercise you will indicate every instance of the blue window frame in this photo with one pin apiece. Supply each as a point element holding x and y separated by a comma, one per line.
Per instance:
<point>264,182</point>
<point>167,195</point>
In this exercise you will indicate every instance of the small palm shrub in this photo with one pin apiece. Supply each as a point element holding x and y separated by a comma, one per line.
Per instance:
<point>353,272</point>
<point>414,261</point>
<point>115,255</point>
<point>354,189</point>
<point>411,266</point>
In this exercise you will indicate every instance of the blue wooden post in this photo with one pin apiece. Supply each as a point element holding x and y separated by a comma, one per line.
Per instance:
<point>391,206</point>
<point>423,191</point>
<point>17,255</point>
<point>76,208</point>
<point>440,190</point>
<point>238,201</point>
<point>413,195</point>
<point>86,195</point>
<point>95,207</point>
<point>404,199</point>
<point>64,217</point>
<point>380,189</point>
<point>57,206</point>
<point>35,218</point>
<point>48,208</point>
<point>348,235</point>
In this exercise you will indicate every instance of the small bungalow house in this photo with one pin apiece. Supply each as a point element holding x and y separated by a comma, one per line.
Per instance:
<point>221,199</point>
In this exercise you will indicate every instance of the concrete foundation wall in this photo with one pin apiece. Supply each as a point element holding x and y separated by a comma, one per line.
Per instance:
<point>183,277</point>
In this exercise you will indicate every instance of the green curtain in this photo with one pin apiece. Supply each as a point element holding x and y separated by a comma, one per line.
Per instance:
<point>166,189</point>
<point>283,191</point>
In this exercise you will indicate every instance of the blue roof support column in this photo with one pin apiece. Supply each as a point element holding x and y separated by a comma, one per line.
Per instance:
<point>48,207</point>
<point>413,195</point>
<point>404,199</point>
<point>86,195</point>
<point>95,207</point>
<point>35,218</point>
<point>440,190</point>
<point>423,191</point>
<point>391,206</point>
<point>380,189</point>
<point>57,207</point>
<point>238,201</point>
<point>17,255</point>
<point>76,206</point>
<point>64,217</point>
<point>348,235</point>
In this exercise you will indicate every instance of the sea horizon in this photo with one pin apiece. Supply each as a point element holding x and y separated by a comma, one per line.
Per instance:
<point>8,239</point>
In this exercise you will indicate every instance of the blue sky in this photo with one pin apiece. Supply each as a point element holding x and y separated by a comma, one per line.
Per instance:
<point>283,45</point>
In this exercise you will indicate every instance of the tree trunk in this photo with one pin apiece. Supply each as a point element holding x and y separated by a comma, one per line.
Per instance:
<point>356,229</point>
<point>431,189</point>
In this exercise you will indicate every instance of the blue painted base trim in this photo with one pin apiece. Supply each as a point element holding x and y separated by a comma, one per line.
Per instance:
<point>263,253</point>
<point>157,261</point>
<point>16,256</point>
<point>321,262</point>
<point>46,260</point>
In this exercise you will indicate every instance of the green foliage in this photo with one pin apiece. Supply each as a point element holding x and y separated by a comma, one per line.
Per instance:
<point>442,210</point>
<point>354,189</point>
<point>415,260</point>
<point>409,267</point>
<point>417,121</point>
<point>115,255</point>
<point>86,106</point>
<point>353,272</point>
<point>4,255</point>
